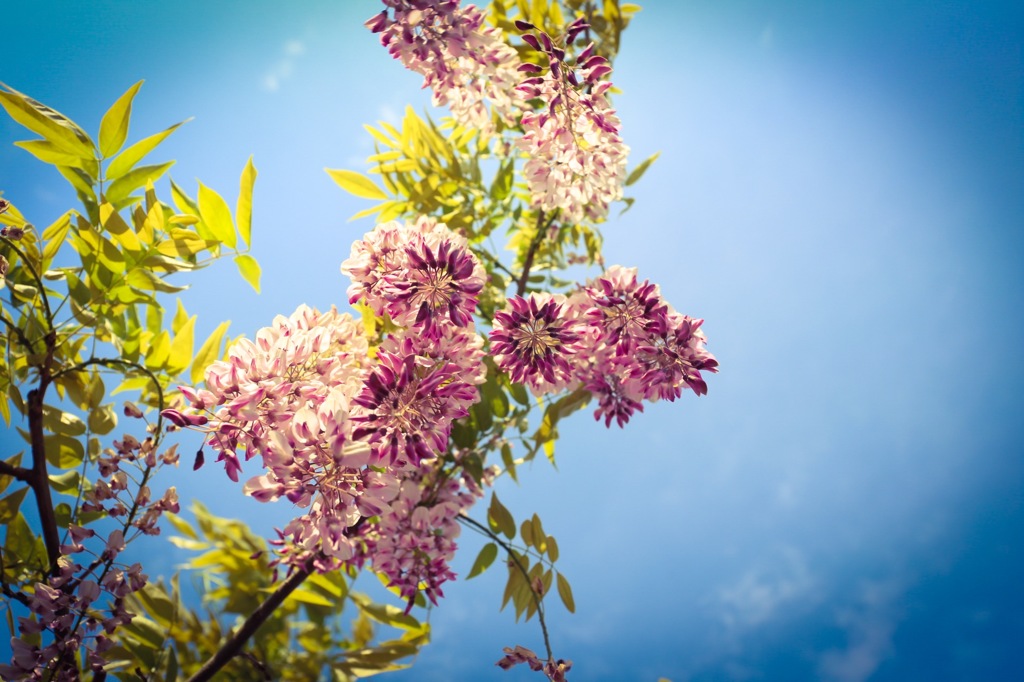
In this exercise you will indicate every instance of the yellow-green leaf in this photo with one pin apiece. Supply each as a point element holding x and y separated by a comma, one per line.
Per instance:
<point>114,126</point>
<point>14,461</point>
<point>500,518</point>
<point>48,152</point>
<point>249,269</point>
<point>54,236</point>
<point>208,352</point>
<point>44,121</point>
<point>243,211</point>
<point>181,348</point>
<point>484,559</point>
<point>9,505</point>
<point>310,597</point>
<point>179,319</point>
<point>66,483</point>
<point>127,159</point>
<point>159,351</point>
<point>565,592</point>
<point>116,225</point>
<point>217,216</point>
<point>637,172</point>
<point>102,420</point>
<point>356,183</point>
<point>129,182</point>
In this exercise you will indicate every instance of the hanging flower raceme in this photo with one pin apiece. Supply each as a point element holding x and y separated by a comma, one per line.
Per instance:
<point>415,539</point>
<point>576,161</point>
<point>286,398</point>
<point>422,275</point>
<point>464,63</point>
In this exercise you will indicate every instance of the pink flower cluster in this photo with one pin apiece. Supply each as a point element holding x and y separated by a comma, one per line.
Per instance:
<point>112,494</point>
<point>464,63</point>
<point>554,670</point>
<point>576,161</point>
<point>354,434</point>
<point>615,337</point>
<point>421,275</point>
<point>67,613</point>
<point>413,544</point>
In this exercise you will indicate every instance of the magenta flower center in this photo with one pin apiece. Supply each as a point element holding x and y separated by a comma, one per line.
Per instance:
<point>534,338</point>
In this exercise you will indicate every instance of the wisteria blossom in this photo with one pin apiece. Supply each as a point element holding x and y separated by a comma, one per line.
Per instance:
<point>534,340</point>
<point>77,607</point>
<point>415,541</point>
<point>406,408</point>
<point>286,397</point>
<point>576,161</point>
<point>615,337</point>
<point>421,274</point>
<point>465,64</point>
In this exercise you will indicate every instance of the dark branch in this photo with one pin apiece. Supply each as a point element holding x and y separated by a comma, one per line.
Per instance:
<point>20,473</point>
<point>531,253</point>
<point>233,646</point>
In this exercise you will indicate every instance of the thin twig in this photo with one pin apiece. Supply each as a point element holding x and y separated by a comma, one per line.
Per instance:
<point>522,569</point>
<point>531,253</point>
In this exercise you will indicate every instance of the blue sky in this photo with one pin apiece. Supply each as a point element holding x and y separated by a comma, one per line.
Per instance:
<point>839,195</point>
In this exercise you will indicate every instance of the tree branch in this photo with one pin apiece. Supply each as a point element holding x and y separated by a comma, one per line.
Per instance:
<point>40,478</point>
<point>20,473</point>
<point>531,253</point>
<point>233,646</point>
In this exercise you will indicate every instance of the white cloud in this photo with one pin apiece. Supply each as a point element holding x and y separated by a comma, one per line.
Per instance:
<point>284,67</point>
<point>869,630</point>
<point>762,591</point>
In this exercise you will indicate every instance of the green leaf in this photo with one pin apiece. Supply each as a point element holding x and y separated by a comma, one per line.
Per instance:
<point>249,269</point>
<point>539,536</point>
<point>356,184</point>
<point>638,172</point>
<point>59,421</point>
<point>48,152</point>
<point>46,122</point>
<point>500,519</point>
<point>127,159</point>
<point>102,420</point>
<point>526,532</point>
<point>14,461</point>
<point>488,553</point>
<point>54,236</point>
<point>552,548</point>
<point>114,126</point>
<point>64,452</point>
<point>519,394</point>
<point>565,592</point>
<point>217,216</point>
<point>172,665</point>
<point>122,232</point>
<point>306,596</point>
<point>66,483</point>
<point>208,352</point>
<point>133,180</point>
<point>181,348</point>
<point>149,281</point>
<point>9,505</point>
<point>243,210</point>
